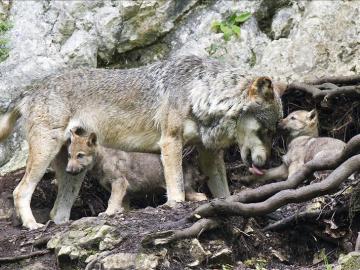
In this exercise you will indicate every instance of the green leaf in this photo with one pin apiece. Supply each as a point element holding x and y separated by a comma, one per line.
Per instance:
<point>227,31</point>
<point>231,19</point>
<point>215,26</point>
<point>236,29</point>
<point>242,17</point>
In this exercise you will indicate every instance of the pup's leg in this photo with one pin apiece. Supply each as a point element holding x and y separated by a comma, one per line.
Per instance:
<point>278,174</point>
<point>212,165</point>
<point>190,178</point>
<point>68,188</point>
<point>171,157</point>
<point>294,167</point>
<point>118,192</point>
<point>42,149</point>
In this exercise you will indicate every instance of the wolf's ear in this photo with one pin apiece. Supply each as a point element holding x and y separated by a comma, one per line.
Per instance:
<point>263,88</point>
<point>312,115</point>
<point>280,88</point>
<point>92,140</point>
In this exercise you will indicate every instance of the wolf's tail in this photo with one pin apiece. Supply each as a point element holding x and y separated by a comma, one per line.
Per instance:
<point>8,120</point>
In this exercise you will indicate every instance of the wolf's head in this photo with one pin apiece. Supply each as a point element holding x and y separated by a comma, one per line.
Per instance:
<point>81,151</point>
<point>300,123</point>
<point>257,124</point>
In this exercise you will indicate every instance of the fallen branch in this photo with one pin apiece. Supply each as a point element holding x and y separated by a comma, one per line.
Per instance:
<point>166,237</point>
<point>24,256</point>
<point>302,216</point>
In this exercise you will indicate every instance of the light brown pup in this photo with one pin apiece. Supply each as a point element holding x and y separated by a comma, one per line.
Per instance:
<point>304,145</point>
<point>123,173</point>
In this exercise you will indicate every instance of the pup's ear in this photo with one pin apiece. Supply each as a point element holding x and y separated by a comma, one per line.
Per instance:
<point>312,115</point>
<point>92,140</point>
<point>73,134</point>
<point>262,87</point>
<point>77,131</point>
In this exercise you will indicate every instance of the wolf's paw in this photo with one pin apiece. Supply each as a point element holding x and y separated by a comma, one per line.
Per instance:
<point>172,204</point>
<point>33,225</point>
<point>111,212</point>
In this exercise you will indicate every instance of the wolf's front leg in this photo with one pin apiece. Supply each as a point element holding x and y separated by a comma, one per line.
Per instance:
<point>213,166</point>
<point>171,157</point>
<point>68,188</point>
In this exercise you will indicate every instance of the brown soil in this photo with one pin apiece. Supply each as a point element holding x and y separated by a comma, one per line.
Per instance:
<point>297,244</point>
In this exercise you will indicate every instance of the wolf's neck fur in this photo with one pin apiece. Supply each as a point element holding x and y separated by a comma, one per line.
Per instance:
<point>217,101</point>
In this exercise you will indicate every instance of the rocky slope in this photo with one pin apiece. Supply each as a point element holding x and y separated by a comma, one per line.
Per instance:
<point>286,39</point>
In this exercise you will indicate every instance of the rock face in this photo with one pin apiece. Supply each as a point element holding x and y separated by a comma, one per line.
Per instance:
<point>290,40</point>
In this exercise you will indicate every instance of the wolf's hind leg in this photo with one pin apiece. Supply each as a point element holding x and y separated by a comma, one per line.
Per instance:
<point>68,188</point>
<point>42,149</point>
<point>118,192</point>
<point>213,166</point>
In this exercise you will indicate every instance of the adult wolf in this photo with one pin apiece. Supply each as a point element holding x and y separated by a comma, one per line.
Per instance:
<point>157,108</point>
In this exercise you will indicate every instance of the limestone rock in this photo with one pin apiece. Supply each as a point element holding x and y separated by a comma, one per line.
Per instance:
<point>350,261</point>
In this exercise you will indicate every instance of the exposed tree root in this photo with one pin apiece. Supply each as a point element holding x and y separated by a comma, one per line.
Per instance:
<point>165,237</point>
<point>326,88</point>
<point>357,244</point>
<point>329,185</point>
<point>265,191</point>
<point>302,217</point>
<point>25,256</point>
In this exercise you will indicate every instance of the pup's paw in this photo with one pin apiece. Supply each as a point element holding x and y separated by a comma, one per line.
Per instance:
<point>196,197</point>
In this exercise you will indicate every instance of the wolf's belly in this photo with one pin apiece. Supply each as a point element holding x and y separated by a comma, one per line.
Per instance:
<point>134,142</point>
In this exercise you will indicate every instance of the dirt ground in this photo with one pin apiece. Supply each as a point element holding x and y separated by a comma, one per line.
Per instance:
<point>305,245</point>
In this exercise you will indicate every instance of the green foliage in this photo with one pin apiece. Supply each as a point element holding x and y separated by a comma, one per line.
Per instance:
<point>227,267</point>
<point>231,25</point>
<point>258,263</point>
<point>323,256</point>
<point>4,49</point>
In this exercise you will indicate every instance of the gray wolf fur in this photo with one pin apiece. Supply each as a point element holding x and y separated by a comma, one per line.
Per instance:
<point>123,174</point>
<point>157,108</point>
<point>304,145</point>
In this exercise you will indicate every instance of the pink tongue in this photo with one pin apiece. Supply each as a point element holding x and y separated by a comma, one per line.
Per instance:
<point>256,170</point>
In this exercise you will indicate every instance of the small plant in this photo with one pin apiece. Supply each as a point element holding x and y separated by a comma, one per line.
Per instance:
<point>258,263</point>
<point>4,49</point>
<point>231,25</point>
<point>323,256</point>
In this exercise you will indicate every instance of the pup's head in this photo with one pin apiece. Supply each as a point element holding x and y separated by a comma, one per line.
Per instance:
<point>300,123</point>
<point>81,151</point>
<point>257,125</point>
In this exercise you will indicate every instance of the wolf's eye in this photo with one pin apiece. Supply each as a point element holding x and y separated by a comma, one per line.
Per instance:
<point>293,118</point>
<point>80,155</point>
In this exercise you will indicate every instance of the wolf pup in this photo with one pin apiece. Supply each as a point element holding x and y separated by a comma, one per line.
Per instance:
<point>123,173</point>
<point>157,108</point>
<point>304,145</point>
